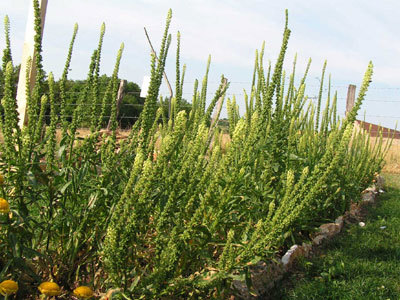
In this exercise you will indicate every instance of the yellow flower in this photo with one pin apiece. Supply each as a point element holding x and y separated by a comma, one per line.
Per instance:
<point>1,179</point>
<point>8,287</point>
<point>83,292</point>
<point>49,288</point>
<point>4,206</point>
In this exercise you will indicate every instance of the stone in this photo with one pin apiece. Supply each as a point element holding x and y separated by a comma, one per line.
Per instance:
<point>307,248</point>
<point>339,222</point>
<point>371,189</point>
<point>263,278</point>
<point>289,257</point>
<point>241,290</point>
<point>354,211</point>
<point>318,239</point>
<point>368,197</point>
<point>329,229</point>
<point>380,182</point>
<point>264,275</point>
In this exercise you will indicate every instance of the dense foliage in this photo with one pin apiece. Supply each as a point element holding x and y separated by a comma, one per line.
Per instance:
<point>130,107</point>
<point>168,212</point>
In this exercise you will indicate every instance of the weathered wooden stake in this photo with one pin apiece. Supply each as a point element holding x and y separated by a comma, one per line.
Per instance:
<point>28,53</point>
<point>351,97</point>
<point>120,95</point>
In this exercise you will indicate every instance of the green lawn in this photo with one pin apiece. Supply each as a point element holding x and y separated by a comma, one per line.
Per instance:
<point>361,263</point>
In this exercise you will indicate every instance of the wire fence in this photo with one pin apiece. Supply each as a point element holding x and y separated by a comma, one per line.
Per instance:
<point>388,113</point>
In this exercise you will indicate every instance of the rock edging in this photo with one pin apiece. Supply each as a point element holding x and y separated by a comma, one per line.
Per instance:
<point>264,275</point>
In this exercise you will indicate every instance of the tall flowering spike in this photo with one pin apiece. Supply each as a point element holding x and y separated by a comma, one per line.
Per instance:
<point>262,82</point>
<point>40,121</point>
<point>179,80</point>
<point>203,96</point>
<point>253,81</point>
<point>157,71</point>
<point>95,85</point>
<point>10,124</point>
<point>351,117</point>
<point>276,77</point>
<point>178,76</point>
<point>182,78</point>
<point>224,260</point>
<point>164,42</point>
<point>77,116</point>
<point>248,108</point>
<point>268,74</point>
<point>279,97</point>
<point>320,97</point>
<point>51,130</point>
<point>63,81</point>
<point>224,85</point>
<point>114,80</point>
<point>107,98</point>
<point>325,116</point>
<point>7,51</point>
<point>30,103</point>
<point>333,113</point>
<point>38,90</point>
<point>303,79</point>
<point>290,93</point>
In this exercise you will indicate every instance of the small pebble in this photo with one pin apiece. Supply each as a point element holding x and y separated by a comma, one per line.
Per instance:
<point>362,224</point>
<point>382,227</point>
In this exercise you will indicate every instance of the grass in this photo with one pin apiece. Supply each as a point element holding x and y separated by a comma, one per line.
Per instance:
<point>361,263</point>
<point>392,159</point>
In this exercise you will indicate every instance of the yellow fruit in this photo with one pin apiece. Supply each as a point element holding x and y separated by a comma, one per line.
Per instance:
<point>49,288</point>
<point>8,287</point>
<point>83,292</point>
<point>1,179</point>
<point>4,206</point>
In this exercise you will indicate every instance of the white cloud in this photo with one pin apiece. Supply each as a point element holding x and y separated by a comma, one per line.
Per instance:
<point>346,33</point>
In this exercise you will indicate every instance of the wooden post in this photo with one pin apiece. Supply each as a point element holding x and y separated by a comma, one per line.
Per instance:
<point>351,97</point>
<point>28,53</point>
<point>120,95</point>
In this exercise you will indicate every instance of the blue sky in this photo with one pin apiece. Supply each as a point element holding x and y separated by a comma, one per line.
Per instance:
<point>347,33</point>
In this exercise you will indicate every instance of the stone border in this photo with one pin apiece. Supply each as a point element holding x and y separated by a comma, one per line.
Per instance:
<point>264,275</point>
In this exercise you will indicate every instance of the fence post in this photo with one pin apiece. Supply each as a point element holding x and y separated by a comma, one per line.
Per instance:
<point>28,52</point>
<point>120,95</point>
<point>351,97</point>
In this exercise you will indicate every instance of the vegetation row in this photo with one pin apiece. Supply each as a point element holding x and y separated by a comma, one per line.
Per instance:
<point>169,212</point>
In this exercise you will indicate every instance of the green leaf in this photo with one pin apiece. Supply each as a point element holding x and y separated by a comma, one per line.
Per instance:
<point>62,190</point>
<point>61,151</point>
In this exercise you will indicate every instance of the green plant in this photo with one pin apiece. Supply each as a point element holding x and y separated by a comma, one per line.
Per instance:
<point>170,212</point>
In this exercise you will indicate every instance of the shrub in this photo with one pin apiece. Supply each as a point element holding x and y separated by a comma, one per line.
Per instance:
<point>168,213</point>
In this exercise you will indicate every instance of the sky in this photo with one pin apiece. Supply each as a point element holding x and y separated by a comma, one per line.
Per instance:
<point>348,34</point>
